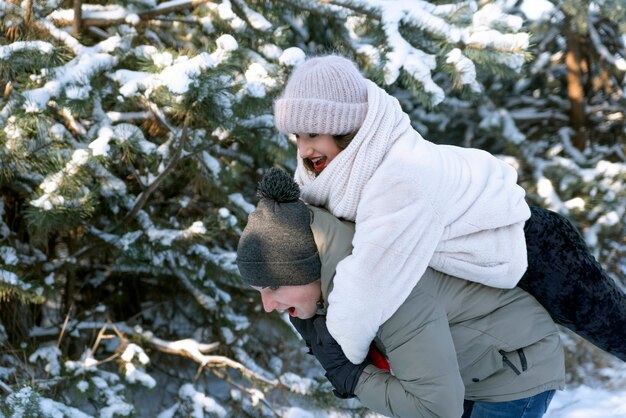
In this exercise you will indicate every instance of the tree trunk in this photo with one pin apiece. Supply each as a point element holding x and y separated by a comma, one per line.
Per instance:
<point>78,15</point>
<point>17,318</point>
<point>28,15</point>
<point>575,89</point>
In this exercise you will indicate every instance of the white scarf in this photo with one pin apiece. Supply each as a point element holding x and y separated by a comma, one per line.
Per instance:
<point>339,186</point>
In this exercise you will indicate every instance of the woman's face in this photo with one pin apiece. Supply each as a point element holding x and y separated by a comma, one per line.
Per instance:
<point>300,301</point>
<point>319,149</point>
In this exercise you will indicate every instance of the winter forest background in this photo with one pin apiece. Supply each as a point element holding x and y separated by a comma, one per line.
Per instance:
<point>132,136</point>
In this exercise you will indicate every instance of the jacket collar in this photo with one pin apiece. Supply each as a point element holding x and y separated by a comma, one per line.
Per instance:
<point>333,238</point>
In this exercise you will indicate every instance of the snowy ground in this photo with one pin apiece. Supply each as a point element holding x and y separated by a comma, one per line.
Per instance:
<point>586,402</point>
<point>580,402</point>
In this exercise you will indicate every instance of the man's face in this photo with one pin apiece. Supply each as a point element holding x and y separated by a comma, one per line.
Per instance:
<point>300,301</point>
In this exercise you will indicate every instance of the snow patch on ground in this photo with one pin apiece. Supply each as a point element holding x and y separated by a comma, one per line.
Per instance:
<point>587,402</point>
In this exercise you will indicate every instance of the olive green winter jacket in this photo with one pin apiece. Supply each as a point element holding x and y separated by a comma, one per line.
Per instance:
<point>450,340</point>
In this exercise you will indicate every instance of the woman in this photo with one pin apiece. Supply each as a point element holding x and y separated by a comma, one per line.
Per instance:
<point>417,205</point>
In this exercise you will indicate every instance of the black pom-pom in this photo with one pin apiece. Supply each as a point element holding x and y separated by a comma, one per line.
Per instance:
<point>279,186</point>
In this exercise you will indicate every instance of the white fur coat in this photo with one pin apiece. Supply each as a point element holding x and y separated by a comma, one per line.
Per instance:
<point>415,204</point>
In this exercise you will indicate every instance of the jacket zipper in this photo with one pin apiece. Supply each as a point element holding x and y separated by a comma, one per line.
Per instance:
<point>508,362</point>
<point>522,358</point>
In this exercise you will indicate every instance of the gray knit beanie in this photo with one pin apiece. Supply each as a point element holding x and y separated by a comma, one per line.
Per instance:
<point>277,247</point>
<point>324,95</point>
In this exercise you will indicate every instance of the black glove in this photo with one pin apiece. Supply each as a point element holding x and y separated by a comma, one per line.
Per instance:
<point>304,328</point>
<point>342,374</point>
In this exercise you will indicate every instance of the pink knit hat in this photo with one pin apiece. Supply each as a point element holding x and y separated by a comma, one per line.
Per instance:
<point>324,95</point>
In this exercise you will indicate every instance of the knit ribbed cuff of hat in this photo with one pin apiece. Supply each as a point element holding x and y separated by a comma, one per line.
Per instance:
<point>280,273</point>
<point>318,116</point>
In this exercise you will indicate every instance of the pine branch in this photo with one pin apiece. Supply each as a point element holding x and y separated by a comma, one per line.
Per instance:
<point>251,393</point>
<point>204,300</point>
<point>254,20</point>
<point>186,348</point>
<point>195,351</point>
<point>73,125</point>
<point>127,116</point>
<point>65,19</point>
<point>355,6</point>
<point>5,387</point>
<point>171,6</point>
<point>61,36</point>
<point>188,20</point>
<point>602,50</point>
<point>143,197</point>
<point>239,7</point>
<point>156,111</point>
<point>102,34</point>
<point>218,361</point>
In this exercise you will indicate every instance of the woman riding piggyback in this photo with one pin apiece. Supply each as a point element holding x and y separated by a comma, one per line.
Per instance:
<point>417,204</point>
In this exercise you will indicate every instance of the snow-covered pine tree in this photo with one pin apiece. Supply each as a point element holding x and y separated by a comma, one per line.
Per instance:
<point>132,140</point>
<point>126,149</point>
<point>571,109</point>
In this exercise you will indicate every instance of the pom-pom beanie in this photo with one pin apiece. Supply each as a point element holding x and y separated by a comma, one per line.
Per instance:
<point>324,95</point>
<point>277,247</point>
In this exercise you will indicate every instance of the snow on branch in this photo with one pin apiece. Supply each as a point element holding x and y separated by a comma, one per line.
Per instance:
<point>483,32</point>
<point>128,116</point>
<point>188,347</point>
<point>603,51</point>
<point>199,402</point>
<point>465,68</point>
<point>206,301</point>
<point>60,35</point>
<point>492,39</point>
<point>52,183</point>
<point>176,76</point>
<point>11,281</point>
<point>87,63</point>
<point>431,19</point>
<point>8,50</point>
<point>110,15</point>
<point>491,15</point>
<point>254,19</point>
<point>192,349</point>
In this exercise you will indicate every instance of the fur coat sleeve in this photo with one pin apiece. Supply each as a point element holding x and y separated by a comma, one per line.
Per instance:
<point>416,211</point>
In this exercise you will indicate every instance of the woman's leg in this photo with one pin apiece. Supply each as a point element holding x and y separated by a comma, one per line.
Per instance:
<point>532,407</point>
<point>568,281</point>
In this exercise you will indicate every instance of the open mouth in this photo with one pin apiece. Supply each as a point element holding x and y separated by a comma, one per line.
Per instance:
<point>319,163</point>
<point>292,311</point>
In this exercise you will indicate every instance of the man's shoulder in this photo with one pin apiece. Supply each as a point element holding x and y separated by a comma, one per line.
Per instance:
<point>421,306</point>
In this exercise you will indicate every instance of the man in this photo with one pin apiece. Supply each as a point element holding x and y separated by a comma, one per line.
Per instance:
<point>450,341</point>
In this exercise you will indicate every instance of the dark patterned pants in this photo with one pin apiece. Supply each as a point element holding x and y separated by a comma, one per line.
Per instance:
<point>568,281</point>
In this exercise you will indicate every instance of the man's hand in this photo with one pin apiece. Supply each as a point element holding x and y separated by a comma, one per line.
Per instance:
<point>342,374</point>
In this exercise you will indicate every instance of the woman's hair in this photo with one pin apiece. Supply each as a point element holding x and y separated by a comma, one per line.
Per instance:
<point>342,142</point>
